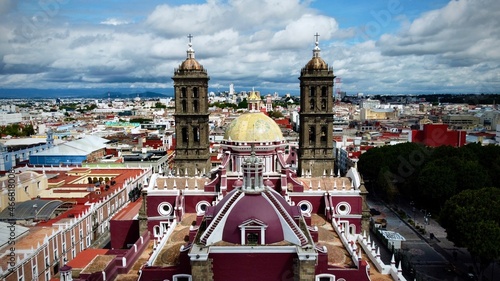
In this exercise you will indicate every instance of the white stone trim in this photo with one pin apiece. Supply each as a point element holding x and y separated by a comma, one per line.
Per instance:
<point>253,249</point>
<point>216,234</point>
<point>198,207</point>
<point>331,276</point>
<point>161,210</point>
<point>177,276</point>
<point>260,226</point>
<point>346,206</point>
<point>309,206</point>
<point>288,233</point>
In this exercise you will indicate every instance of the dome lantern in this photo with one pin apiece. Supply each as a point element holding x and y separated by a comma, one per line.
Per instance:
<point>316,63</point>
<point>190,63</point>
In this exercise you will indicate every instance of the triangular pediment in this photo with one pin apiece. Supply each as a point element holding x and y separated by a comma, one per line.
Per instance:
<point>253,222</point>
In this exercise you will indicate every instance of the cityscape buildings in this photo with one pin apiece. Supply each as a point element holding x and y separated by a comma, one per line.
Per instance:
<point>201,193</point>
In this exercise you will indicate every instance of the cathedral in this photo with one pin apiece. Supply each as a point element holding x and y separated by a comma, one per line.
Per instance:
<point>267,212</point>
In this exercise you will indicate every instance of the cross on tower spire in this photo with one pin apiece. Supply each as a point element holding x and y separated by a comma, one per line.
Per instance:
<point>316,49</point>
<point>190,51</point>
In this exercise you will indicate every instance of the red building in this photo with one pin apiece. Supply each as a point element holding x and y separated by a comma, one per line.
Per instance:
<point>437,135</point>
<point>253,212</point>
<point>251,217</point>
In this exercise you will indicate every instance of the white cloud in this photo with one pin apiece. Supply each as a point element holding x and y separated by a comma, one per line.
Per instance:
<point>252,43</point>
<point>114,21</point>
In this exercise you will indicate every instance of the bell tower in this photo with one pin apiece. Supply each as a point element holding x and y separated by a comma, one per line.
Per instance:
<point>316,151</point>
<point>192,154</point>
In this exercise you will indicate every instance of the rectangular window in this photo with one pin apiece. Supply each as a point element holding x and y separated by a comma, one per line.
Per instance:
<point>253,238</point>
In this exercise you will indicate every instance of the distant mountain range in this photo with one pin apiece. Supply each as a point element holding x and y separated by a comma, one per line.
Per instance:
<point>84,93</point>
<point>113,93</point>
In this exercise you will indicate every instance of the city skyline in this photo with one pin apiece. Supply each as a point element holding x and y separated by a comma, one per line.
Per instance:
<point>394,46</point>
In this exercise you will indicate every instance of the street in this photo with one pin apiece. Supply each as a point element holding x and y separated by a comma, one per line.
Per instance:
<point>423,257</point>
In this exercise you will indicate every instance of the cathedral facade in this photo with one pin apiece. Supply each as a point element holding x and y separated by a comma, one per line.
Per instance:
<point>254,217</point>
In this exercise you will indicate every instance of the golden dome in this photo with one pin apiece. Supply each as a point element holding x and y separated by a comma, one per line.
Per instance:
<point>316,63</point>
<point>190,64</point>
<point>253,127</point>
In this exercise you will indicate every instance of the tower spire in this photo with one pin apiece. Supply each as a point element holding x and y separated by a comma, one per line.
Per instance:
<point>190,51</point>
<point>316,49</point>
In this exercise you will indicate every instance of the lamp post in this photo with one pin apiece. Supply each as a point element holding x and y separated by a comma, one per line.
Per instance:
<point>427,216</point>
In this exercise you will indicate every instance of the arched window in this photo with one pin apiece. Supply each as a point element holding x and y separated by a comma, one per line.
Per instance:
<point>184,105</point>
<point>324,91</point>
<point>183,92</point>
<point>324,135</point>
<point>312,135</point>
<point>196,134</point>
<point>311,104</point>
<point>195,106</point>
<point>195,92</point>
<point>312,91</point>
<point>323,104</point>
<point>185,137</point>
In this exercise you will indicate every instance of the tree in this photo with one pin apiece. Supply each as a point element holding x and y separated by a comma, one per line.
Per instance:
<point>159,105</point>
<point>243,103</point>
<point>275,114</point>
<point>437,182</point>
<point>472,220</point>
<point>224,105</point>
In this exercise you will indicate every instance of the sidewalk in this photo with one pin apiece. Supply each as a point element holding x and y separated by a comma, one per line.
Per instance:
<point>428,260</point>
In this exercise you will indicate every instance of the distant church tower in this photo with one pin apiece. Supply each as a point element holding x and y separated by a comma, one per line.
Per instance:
<point>192,154</point>
<point>316,154</point>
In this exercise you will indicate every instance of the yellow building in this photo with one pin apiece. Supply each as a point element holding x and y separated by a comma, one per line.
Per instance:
<point>378,114</point>
<point>20,187</point>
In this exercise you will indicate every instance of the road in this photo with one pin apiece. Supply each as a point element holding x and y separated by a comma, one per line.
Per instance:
<point>431,258</point>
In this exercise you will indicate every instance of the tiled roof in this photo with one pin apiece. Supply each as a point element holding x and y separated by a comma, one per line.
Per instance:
<point>85,257</point>
<point>129,211</point>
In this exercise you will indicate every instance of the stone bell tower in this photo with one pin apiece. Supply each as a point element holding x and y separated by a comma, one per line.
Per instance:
<point>316,151</point>
<point>192,153</point>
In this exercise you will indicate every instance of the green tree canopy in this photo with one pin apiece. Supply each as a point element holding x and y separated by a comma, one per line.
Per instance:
<point>159,105</point>
<point>275,114</point>
<point>437,182</point>
<point>243,103</point>
<point>472,220</point>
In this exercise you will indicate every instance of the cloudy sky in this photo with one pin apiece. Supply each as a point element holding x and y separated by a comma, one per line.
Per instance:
<point>382,46</point>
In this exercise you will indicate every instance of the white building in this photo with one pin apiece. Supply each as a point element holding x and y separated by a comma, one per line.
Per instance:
<point>10,118</point>
<point>369,103</point>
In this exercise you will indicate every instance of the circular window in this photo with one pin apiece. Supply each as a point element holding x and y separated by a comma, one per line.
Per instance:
<point>165,209</point>
<point>202,206</point>
<point>343,208</point>
<point>305,206</point>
